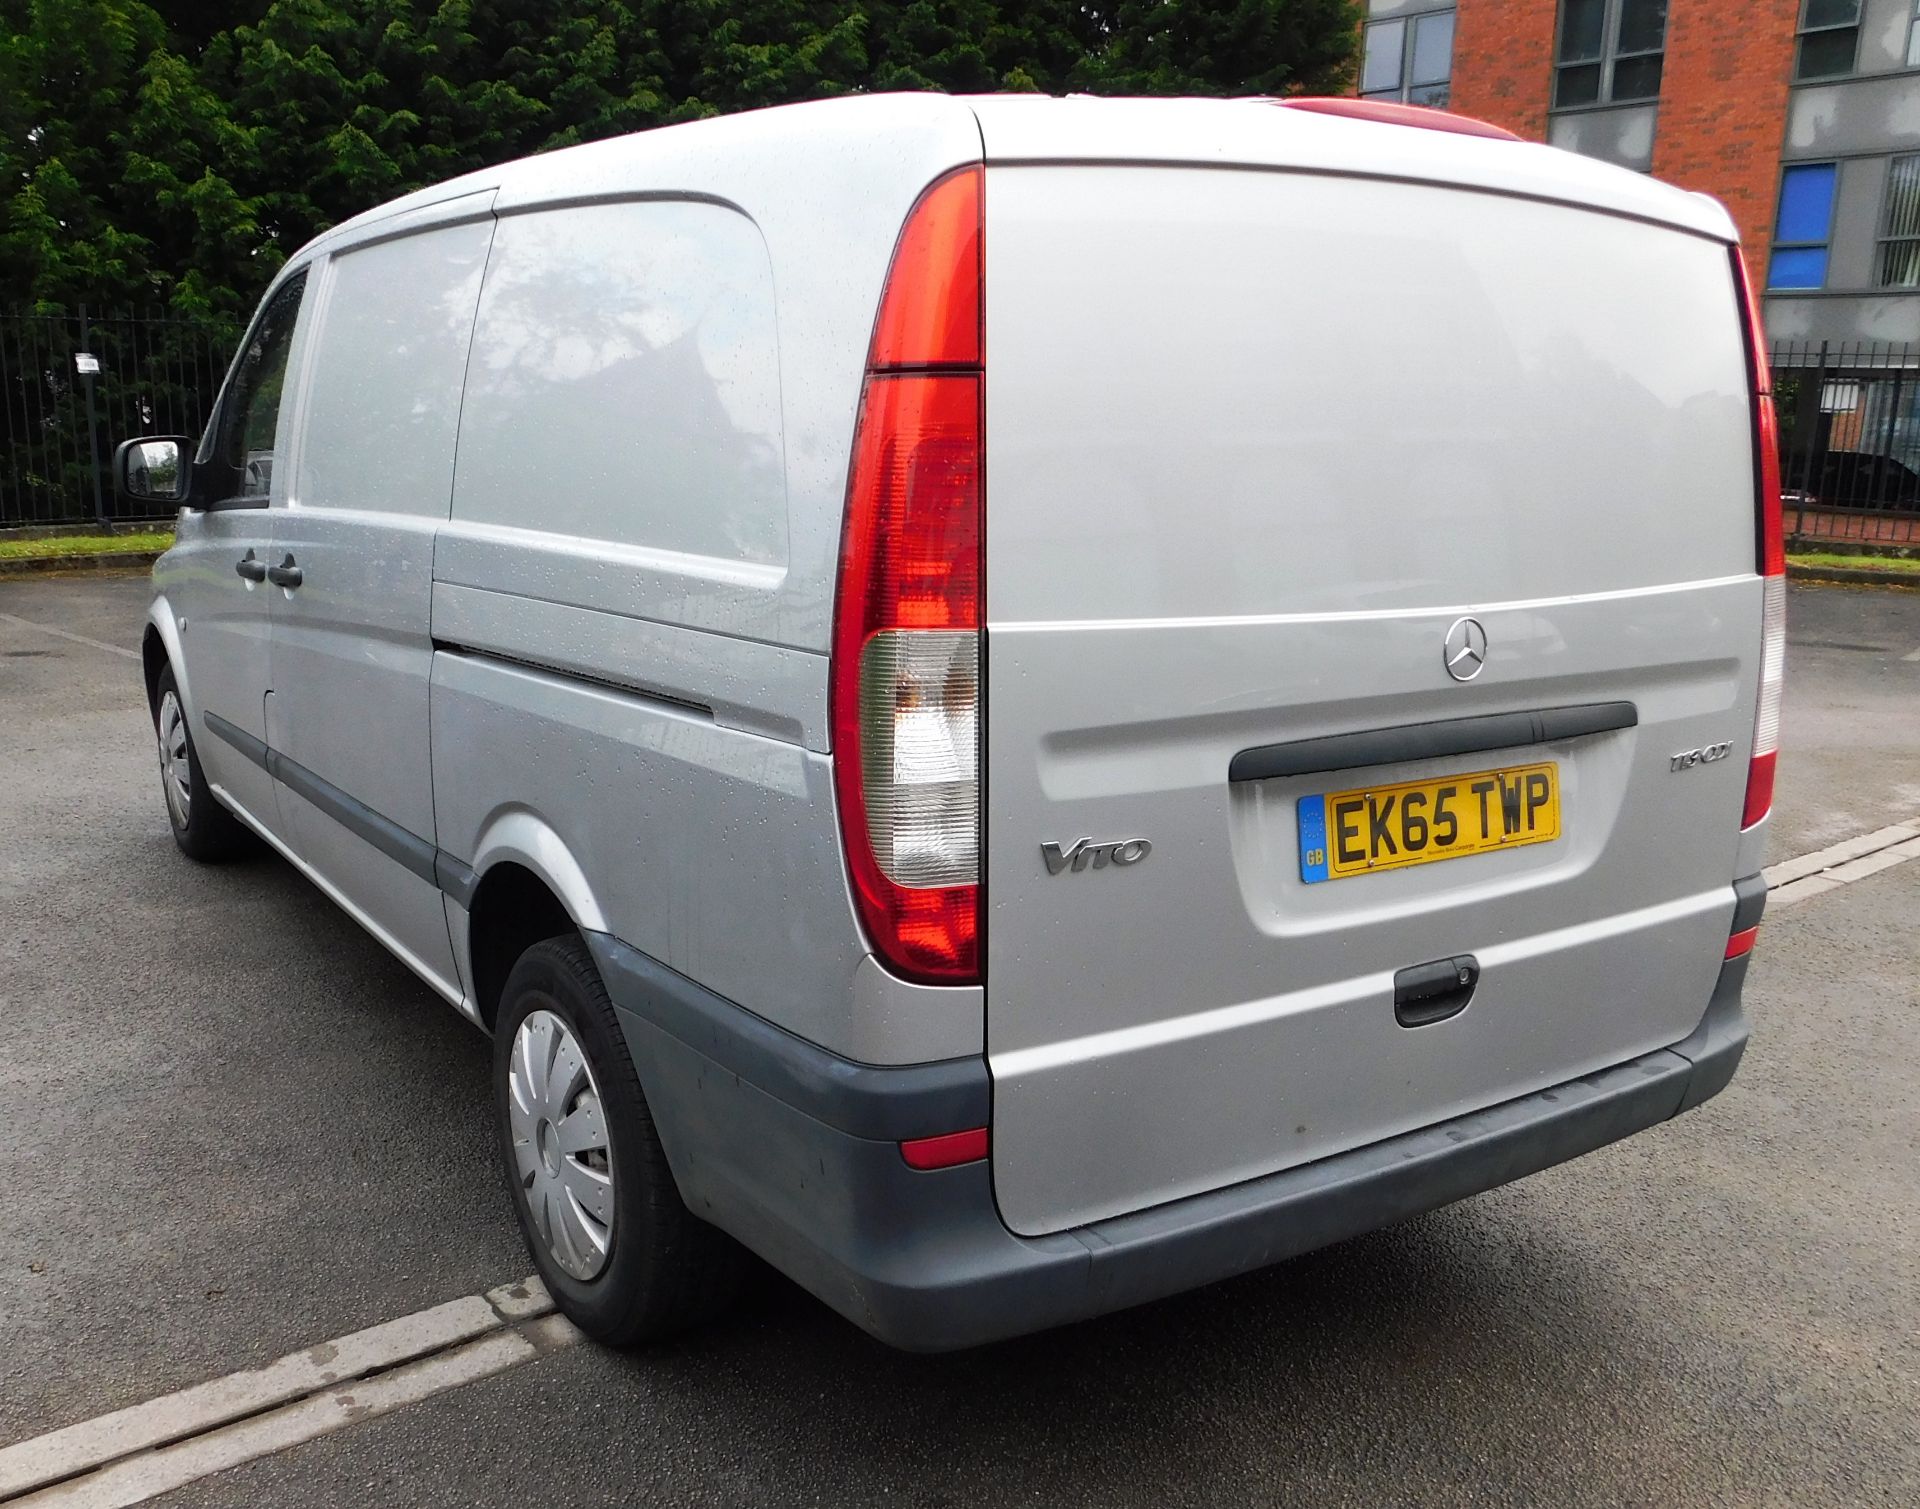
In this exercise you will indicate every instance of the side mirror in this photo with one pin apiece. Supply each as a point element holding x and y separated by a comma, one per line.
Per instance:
<point>152,470</point>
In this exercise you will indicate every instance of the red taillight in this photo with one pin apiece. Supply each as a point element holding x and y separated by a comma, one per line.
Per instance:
<point>906,641</point>
<point>949,1151</point>
<point>1766,424</point>
<point>1766,427</point>
<point>1760,784</point>
<point>1742,942</point>
<point>930,312</point>
<point>913,561</point>
<point>1772,557</point>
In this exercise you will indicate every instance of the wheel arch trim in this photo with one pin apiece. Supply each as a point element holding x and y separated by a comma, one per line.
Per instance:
<point>162,626</point>
<point>520,836</point>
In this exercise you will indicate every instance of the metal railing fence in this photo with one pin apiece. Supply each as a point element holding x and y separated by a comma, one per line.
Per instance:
<point>155,372</point>
<point>1849,439</point>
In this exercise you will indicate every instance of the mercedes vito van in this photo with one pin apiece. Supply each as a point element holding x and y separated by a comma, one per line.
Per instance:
<point>1014,704</point>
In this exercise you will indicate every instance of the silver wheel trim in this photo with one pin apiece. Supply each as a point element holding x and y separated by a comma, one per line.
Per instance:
<point>176,770</point>
<point>561,1154</point>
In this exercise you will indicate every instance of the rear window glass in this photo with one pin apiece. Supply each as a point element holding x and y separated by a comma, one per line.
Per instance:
<point>624,384</point>
<point>1333,395</point>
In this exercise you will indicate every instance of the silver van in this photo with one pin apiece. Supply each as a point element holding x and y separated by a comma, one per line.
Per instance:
<point>1013,704</point>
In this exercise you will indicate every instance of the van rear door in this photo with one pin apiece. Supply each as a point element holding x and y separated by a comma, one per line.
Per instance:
<point>1277,458</point>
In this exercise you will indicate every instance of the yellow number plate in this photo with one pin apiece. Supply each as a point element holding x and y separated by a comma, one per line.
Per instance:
<point>1418,822</point>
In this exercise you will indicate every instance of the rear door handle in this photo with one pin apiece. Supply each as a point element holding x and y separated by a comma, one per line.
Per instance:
<point>286,574</point>
<point>250,567</point>
<point>1429,993</point>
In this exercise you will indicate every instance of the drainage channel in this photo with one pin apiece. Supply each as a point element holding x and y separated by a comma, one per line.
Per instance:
<point>148,1449</point>
<point>1794,880</point>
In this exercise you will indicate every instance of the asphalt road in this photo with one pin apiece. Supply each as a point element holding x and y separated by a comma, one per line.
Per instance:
<point>230,1126</point>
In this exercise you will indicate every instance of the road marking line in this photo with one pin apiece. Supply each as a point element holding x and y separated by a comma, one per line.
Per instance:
<point>1914,656</point>
<point>1794,880</point>
<point>152,1448</point>
<point>98,644</point>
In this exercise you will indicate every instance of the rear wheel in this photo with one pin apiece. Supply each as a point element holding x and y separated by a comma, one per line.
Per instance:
<point>616,1246</point>
<point>202,828</point>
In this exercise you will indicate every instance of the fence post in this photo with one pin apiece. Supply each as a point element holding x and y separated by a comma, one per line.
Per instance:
<point>93,426</point>
<point>1820,437</point>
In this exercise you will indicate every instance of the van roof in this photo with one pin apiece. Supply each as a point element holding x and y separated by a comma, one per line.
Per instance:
<point>1259,133</point>
<point>1014,128</point>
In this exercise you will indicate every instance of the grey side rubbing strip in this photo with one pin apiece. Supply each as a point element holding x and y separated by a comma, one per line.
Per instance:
<point>458,880</point>
<point>392,840</point>
<point>238,737</point>
<point>1426,741</point>
<point>1749,901</point>
<point>886,1104</point>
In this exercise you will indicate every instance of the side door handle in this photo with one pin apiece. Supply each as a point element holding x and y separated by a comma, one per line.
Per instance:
<point>286,574</point>
<point>250,567</point>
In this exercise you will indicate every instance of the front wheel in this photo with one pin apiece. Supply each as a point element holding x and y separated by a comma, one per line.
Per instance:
<point>623,1257</point>
<point>202,828</point>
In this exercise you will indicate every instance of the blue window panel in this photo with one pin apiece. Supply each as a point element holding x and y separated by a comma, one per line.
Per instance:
<point>1806,202</point>
<point>1798,267</point>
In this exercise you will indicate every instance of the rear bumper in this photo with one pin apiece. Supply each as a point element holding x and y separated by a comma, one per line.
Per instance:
<point>794,1152</point>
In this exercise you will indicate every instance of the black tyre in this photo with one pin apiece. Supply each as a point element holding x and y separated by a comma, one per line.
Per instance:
<point>618,1249</point>
<point>202,828</point>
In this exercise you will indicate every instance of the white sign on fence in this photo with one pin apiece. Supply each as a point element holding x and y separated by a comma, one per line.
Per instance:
<point>86,364</point>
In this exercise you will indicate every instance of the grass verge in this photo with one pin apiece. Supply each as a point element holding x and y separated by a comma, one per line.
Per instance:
<point>62,546</point>
<point>1868,562</point>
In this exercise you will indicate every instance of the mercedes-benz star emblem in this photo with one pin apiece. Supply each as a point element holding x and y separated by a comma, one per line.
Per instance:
<point>1466,651</point>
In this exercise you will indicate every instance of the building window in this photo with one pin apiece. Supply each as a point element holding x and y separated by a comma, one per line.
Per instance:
<point>1410,59</point>
<point>1913,38</point>
<point>1829,38</point>
<point>1900,241</point>
<point>1804,226</point>
<point>1610,52</point>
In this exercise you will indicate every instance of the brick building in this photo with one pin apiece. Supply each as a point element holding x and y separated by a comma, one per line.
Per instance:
<point>1801,116</point>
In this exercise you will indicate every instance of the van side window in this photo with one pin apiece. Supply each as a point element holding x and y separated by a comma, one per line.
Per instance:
<point>250,419</point>
<point>625,382</point>
<point>383,390</point>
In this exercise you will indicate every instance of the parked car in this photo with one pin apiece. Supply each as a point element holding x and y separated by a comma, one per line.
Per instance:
<point>1860,479</point>
<point>966,717</point>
